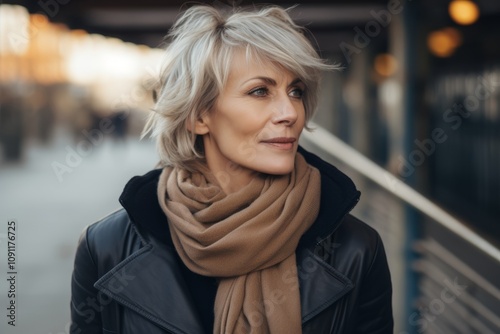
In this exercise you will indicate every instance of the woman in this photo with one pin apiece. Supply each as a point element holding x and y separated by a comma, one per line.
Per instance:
<point>241,231</point>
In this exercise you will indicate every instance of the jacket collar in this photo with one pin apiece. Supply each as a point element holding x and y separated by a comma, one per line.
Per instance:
<point>338,196</point>
<point>161,304</point>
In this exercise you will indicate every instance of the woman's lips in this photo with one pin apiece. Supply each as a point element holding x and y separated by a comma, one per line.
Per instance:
<point>284,143</point>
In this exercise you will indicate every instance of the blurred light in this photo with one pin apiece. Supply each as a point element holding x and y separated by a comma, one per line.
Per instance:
<point>391,93</point>
<point>455,36</point>
<point>14,34</point>
<point>79,32</point>
<point>39,20</point>
<point>463,12</point>
<point>385,64</point>
<point>35,50</point>
<point>81,63</point>
<point>443,43</point>
<point>60,26</point>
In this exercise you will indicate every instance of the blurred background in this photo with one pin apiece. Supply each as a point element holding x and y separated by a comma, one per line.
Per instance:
<point>413,118</point>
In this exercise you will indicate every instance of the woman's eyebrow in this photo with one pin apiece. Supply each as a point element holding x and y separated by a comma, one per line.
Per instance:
<point>272,82</point>
<point>267,80</point>
<point>296,81</point>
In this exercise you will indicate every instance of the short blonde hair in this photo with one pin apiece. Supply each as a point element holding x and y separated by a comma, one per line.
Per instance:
<point>197,62</point>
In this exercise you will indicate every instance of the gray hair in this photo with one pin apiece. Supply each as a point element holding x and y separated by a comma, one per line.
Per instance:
<point>197,62</point>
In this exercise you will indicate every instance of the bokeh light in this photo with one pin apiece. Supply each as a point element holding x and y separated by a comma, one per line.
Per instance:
<point>464,12</point>
<point>385,64</point>
<point>443,43</point>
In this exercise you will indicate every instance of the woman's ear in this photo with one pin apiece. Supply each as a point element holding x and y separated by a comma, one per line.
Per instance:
<point>200,126</point>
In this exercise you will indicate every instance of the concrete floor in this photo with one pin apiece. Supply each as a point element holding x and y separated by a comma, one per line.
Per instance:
<point>50,213</point>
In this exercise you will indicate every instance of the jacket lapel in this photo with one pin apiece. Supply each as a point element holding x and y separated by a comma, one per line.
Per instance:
<point>162,299</point>
<point>150,282</point>
<point>320,284</point>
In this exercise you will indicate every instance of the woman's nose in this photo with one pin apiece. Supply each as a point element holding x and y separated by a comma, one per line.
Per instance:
<point>285,111</point>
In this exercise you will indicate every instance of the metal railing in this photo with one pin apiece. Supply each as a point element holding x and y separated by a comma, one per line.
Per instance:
<point>355,160</point>
<point>440,250</point>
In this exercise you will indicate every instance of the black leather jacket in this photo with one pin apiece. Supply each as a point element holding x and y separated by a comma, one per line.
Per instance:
<point>129,279</point>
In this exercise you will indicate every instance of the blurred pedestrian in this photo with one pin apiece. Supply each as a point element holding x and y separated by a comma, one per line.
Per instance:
<point>12,126</point>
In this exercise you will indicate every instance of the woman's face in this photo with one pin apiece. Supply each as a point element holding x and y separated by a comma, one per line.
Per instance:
<point>255,124</point>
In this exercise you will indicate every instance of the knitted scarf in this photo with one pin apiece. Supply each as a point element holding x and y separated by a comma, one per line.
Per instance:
<point>247,239</point>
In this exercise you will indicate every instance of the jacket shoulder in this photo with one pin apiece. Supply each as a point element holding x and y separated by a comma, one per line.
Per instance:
<point>359,233</point>
<point>111,239</point>
<point>354,237</point>
<point>355,247</point>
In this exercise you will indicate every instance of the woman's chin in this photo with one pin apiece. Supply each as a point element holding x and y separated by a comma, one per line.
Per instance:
<point>278,168</point>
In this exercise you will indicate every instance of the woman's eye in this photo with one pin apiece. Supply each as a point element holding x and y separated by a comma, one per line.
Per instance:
<point>262,91</point>
<point>297,93</point>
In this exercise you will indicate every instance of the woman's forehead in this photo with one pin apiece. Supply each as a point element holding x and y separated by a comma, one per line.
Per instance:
<point>244,67</point>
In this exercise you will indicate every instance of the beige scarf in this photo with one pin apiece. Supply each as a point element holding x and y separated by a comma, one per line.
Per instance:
<point>247,239</point>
